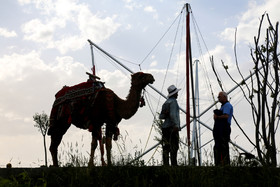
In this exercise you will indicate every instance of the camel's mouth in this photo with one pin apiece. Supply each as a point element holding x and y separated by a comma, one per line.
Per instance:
<point>152,80</point>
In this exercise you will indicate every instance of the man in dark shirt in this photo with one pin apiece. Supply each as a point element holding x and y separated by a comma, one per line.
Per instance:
<point>221,131</point>
<point>170,127</point>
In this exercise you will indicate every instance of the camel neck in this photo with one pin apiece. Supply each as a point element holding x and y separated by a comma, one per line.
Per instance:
<point>131,104</point>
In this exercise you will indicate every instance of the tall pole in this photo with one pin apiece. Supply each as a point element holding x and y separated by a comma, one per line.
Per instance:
<point>196,144</point>
<point>198,136</point>
<point>94,77</point>
<point>187,76</point>
<point>92,58</point>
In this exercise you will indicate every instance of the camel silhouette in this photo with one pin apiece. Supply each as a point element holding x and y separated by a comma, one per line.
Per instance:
<point>89,105</point>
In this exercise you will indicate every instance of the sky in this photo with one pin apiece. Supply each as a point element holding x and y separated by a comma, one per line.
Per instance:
<point>44,47</point>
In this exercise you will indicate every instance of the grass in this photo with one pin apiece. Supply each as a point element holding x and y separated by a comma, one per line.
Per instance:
<point>141,176</point>
<point>74,171</point>
<point>73,154</point>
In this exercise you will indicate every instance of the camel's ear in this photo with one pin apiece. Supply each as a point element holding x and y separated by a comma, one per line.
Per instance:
<point>138,74</point>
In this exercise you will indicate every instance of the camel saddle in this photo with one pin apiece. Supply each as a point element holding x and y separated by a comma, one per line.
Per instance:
<point>70,93</point>
<point>76,96</point>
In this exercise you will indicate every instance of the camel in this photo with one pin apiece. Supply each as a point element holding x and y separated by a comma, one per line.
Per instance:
<point>89,105</point>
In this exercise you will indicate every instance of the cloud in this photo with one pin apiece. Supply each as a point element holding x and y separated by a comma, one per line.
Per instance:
<point>26,80</point>
<point>228,34</point>
<point>150,9</point>
<point>12,67</point>
<point>131,5</point>
<point>66,44</point>
<point>66,25</point>
<point>93,26</point>
<point>37,31</point>
<point>153,63</point>
<point>249,21</point>
<point>121,86</point>
<point>219,52</point>
<point>128,27</point>
<point>23,2</point>
<point>6,33</point>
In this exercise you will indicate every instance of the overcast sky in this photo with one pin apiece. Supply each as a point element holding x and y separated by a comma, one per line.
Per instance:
<point>44,47</point>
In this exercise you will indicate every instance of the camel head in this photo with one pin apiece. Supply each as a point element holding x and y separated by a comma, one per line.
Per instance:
<point>141,79</point>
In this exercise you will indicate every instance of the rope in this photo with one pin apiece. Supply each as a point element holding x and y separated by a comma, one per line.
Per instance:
<point>206,76</point>
<point>112,63</point>
<point>133,63</point>
<point>182,31</point>
<point>171,54</point>
<point>174,41</point>
<point>152,124</point>
<point>169,60</point>
<point>160,38</point>
<point>219,79</point>
<point>196,26</point>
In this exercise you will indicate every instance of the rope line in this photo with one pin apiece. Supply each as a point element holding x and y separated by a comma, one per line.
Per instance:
<point>205,74</point>
<point>159,40</point>
<point>168,64</point>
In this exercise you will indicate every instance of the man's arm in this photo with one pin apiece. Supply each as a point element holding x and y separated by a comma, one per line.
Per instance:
<point>224,116</point>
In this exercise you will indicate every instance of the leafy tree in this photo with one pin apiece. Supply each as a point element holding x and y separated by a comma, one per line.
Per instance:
<point>42,123</point>
<point>261,91</point>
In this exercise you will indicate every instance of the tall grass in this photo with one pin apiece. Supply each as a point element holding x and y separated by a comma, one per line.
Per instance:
<point>73,154</point>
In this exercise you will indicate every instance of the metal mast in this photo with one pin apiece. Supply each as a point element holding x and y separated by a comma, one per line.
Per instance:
<point>196,139</point>
<point>188,62</point>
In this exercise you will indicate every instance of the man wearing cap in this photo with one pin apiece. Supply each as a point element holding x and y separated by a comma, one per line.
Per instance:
<point>170,127</point>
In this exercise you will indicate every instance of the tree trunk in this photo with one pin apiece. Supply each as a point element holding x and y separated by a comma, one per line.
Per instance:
<point>45,148</point>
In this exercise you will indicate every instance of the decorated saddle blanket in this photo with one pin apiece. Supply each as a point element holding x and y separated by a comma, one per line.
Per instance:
<point>73,104</point>
<point>78,91</point>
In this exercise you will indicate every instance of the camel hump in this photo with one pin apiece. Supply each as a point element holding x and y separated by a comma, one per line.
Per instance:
<point>77,91</point>
<point>67,89</point>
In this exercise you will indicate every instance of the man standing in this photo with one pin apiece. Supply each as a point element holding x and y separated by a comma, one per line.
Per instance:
<point>222,130</point>
<point>170,127</point>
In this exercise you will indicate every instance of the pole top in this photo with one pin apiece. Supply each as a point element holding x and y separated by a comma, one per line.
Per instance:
<point>92,77</point>
<point>188,7</point>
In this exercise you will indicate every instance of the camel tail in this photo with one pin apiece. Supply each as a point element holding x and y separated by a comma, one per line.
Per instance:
<point>53,118</point>
<point>57,126</point>
<point>50,131</point>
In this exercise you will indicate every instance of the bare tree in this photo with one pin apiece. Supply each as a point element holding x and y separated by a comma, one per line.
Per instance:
<point>42,123</point>
<point>262,91</point>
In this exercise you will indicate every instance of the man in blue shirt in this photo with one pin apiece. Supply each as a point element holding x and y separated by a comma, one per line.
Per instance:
<point>170,127</point>
<point>221,131</point>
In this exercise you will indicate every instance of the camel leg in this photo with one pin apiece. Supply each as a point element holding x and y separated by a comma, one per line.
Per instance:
<point>93,147</point>
<point>101,144</point>
<point>55,141</point>
<point>111,131</point>
<point>108,150</point>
